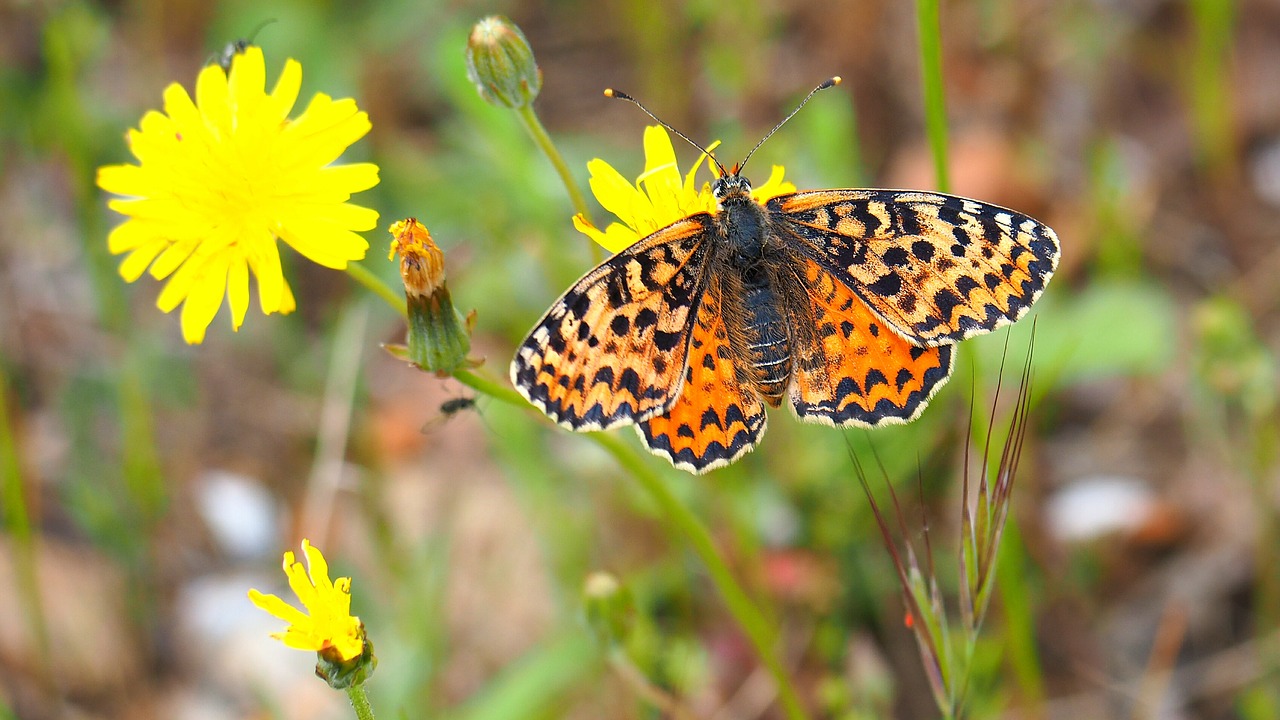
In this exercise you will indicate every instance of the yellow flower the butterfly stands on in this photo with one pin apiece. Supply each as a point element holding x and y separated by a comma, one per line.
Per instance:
<point>722,299</point>
<point>221,179</point>
<point>660,196</point>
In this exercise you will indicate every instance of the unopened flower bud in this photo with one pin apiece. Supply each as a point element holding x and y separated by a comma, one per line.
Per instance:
<point>609,608</point>
<point>438,337</point>
<point>500,63</point>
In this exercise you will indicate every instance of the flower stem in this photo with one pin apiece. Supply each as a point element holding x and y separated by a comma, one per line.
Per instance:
<point>747,615</point>
<point>489,387</point>
<point>360,702</point>
<point>361,274</point>
<point>929,25</point>
<point>543,141</point>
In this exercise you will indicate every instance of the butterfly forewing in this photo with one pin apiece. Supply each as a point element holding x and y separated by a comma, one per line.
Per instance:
<point>612,350</point>
<point>936,268</point>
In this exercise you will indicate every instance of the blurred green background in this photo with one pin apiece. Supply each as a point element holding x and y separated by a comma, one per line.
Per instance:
<point>148,484</point>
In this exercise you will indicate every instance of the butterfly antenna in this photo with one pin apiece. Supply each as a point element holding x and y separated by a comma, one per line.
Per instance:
<point>829,83</point>
<point>611,93</point>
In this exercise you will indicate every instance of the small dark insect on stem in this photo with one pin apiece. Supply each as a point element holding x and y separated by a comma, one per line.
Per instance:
<point>832,82</point>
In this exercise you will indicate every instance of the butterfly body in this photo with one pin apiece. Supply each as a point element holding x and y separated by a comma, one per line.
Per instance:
<point>843,303</point>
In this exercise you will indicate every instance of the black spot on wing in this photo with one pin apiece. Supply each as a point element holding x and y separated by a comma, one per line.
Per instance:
<point>887,285</point>
<point>895,257</point>
<point>923,250</point>
<point>946,301</point>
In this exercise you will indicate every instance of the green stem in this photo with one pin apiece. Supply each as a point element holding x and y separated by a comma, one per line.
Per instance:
<point>747,615</point>
<point>360,701</point>
<point>489,387</point>
<point>543,141</point>
<point>935,108</point>
<point>361,274</point>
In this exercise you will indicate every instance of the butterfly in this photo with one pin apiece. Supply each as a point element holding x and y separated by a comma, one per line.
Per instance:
<point>844,304</point>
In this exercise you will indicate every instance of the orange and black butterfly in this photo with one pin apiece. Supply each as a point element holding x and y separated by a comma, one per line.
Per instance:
<point>843,303</point>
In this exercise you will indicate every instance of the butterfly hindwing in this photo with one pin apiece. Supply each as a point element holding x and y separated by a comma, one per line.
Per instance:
<point>612,350</point>
<point>854,370</point>
<point>937,268</point>
<point>717,418</point>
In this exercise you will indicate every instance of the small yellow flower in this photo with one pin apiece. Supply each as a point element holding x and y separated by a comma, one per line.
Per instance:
<point>660,195</point>
<point>328,626</point>
<point>220,179</point>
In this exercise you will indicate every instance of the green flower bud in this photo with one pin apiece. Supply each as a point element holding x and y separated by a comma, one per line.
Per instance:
<point>500,63</point>
<point>609,608</point>
<point>439,338</point>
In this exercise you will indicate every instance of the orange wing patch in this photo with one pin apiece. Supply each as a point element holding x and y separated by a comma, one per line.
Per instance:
<point>717,418</point>
<point>612,350</point>
<point>856,371</point>
<point>938,268</point>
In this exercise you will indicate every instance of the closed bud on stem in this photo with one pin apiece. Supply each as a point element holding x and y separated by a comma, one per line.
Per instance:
<point>438,337</point>
<point>500,63</point>
<point>608,608</point>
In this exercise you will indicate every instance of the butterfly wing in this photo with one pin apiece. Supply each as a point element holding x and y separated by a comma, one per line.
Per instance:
<point>936,268</point>
<point>717,418</point>
<point>612,349</point>
<point>853,370</point>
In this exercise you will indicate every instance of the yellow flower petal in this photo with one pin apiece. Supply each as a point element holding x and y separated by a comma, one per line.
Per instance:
<point>204,298</point>
<point>213,100</point>
<point>277,607</point>
<point>238,289</point>
<point>265,263</point>
<point>324,243</point>
<point>615,193</point>
<point>172,258</point>
<point>352,178</point>
<point>137,261</point>
<point>286,90</point>
<point>247,81</point>
<point>773,187</point>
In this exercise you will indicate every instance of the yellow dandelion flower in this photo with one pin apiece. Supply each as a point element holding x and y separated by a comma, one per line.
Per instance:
<point>221,179</point>
<point>327,626</point>
<point>660,196</point>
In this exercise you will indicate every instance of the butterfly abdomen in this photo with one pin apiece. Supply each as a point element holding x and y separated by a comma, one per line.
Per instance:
<point>768,351</point>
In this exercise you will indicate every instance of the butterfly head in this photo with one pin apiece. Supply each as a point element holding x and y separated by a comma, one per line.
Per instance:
<point>731,184</point>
